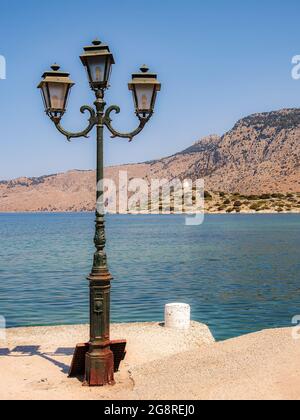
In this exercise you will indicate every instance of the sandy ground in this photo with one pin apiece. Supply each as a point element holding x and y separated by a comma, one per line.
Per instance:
<point>160,364</point>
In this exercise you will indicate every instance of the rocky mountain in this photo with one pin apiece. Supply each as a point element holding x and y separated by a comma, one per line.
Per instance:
<point>260,155</point>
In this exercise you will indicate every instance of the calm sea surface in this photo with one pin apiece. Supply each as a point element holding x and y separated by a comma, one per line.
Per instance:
<point>239,273</point>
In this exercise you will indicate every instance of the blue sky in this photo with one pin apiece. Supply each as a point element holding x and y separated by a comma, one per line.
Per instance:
<point>218,61</point>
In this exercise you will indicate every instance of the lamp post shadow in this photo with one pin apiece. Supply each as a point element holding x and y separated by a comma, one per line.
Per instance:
<point>31,351</point>
<point>74,370</point>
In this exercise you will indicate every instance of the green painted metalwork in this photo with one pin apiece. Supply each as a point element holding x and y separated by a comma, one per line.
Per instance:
<point>99,369</point>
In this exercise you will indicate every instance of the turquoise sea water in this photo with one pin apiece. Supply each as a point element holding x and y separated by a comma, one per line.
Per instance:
<point>239,273</point>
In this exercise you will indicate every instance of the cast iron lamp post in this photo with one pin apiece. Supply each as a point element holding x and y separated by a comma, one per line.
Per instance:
<point>55,87</point>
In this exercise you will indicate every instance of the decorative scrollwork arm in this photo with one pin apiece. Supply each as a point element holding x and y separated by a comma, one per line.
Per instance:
<point>84,133</point>
<point>115,133</point>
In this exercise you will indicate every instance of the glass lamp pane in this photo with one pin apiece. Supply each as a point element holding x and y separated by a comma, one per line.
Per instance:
<point>144,95</point>
<point>45,96</point>
<point>67,96</point>
<point>58,93</point>
<point>97,69</point>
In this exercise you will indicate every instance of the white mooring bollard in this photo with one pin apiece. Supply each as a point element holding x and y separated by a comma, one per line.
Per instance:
<point>178,316</point>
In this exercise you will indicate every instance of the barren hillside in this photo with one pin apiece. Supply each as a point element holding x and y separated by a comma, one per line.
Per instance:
<point>260,155</point>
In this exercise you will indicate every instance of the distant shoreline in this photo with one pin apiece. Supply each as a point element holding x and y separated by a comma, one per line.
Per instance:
<point>157,214</point>
<point>214,203</point>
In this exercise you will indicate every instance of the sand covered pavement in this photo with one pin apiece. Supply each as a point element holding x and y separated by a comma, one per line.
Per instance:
<point>160,364</point>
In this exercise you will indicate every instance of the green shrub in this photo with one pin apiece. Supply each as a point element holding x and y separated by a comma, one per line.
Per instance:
<point>255,206</point>
<point>207,195</point>
<point>237,204</point>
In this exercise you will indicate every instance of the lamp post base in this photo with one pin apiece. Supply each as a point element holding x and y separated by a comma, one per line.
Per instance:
<point>99,368</point>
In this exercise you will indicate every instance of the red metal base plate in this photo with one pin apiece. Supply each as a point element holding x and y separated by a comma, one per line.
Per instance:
<point>78,363</point>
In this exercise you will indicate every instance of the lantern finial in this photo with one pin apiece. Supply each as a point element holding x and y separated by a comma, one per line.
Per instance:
<point>96,42</point>
<point>55,67</point>
<point>144,68</point>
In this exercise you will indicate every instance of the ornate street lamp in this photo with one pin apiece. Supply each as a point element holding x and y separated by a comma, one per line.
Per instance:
<point>98,61</point>
<point>144,87</point>
<point>55,87</point>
